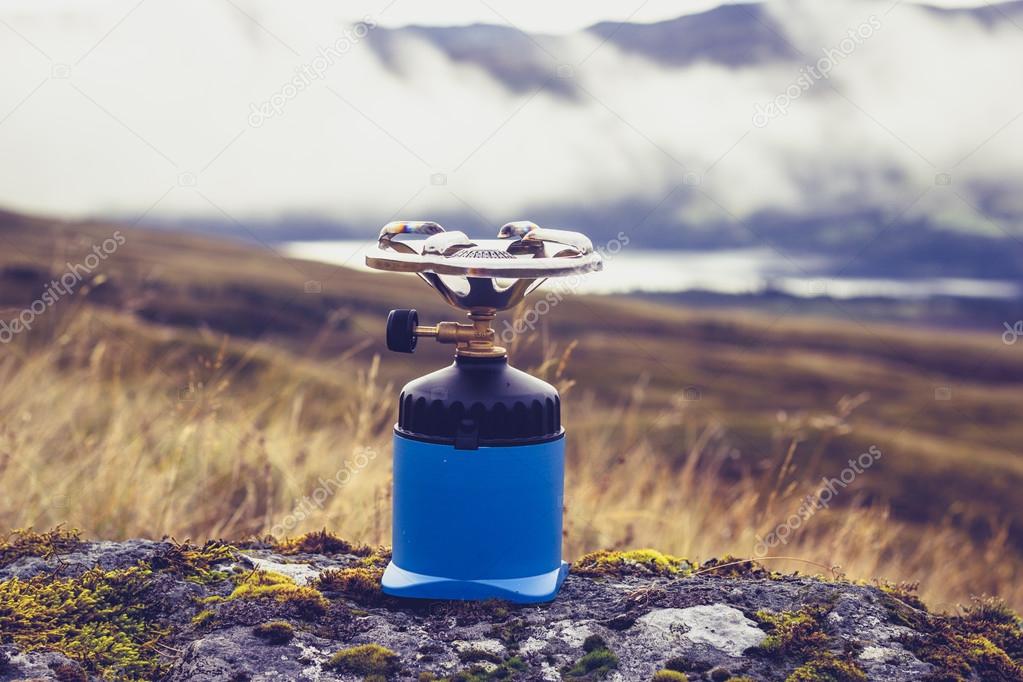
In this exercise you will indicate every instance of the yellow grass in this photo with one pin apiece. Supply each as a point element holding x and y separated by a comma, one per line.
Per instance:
<point>124,429</point>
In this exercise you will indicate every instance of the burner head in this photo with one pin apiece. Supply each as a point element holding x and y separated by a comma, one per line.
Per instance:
<point>465,271</point>
<point>480,276</point>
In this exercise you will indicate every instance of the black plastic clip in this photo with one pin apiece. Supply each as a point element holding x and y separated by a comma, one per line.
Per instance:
<point>468,435</point>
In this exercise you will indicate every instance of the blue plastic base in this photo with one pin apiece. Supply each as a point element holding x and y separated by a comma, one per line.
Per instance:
<point>529,590</point>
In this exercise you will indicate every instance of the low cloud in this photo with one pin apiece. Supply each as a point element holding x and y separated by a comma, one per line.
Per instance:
<point>113,131</point>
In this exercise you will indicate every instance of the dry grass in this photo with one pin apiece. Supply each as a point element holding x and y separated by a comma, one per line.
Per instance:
<point>194,388</point>
<point>127,429</point>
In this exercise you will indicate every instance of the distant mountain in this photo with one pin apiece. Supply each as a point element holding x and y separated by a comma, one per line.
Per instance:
<point>515,58</point>
<point>732,35</point>
<point>989,14</point>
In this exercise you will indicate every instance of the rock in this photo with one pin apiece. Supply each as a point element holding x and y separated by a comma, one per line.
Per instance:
<point>106,555</point>
<point>893,662</point>
<point>718,626</point>
<point>612,625</point>
<point>35,665</point>
<point>301,572</point>
<point>235,653</point>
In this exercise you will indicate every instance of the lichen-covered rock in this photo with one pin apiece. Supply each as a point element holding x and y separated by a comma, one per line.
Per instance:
<point>309,609</point>
<point>720,627</point>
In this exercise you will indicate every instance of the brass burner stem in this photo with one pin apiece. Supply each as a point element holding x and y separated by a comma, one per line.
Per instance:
<point>474,340</point>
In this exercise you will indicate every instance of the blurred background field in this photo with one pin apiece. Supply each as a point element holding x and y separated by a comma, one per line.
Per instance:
<point>818,208</point>
<point>202,388</point>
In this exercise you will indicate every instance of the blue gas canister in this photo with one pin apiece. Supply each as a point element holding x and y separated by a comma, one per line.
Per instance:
<point>479,450</point>
<point>479,459</point>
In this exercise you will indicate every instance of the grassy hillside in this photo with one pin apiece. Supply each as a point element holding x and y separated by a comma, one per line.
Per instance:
<point>201,388</point>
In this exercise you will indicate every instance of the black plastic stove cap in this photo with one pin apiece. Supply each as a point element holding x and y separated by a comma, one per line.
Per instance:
<point>479,401</point>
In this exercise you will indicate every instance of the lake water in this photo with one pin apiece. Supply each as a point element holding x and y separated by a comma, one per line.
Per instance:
<point>738,271</point>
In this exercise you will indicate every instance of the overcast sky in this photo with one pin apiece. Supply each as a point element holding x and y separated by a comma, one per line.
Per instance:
<point>153,108</point>
<point>531,15</point>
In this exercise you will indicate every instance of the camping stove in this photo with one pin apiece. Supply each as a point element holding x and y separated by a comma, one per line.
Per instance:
<point>479,451</point>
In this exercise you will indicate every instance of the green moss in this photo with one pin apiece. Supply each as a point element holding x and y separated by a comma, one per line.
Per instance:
<point>985,642</point>
<point>596,664</point>
<point>678,664</point>
<point>988,656</point>
<point>26,542</point>
<point>361,583</point>
<point>594,642</point>
<point>100,619</point>
<point>902,614</point>
<point>993,619</point>
<point>195,564</point>
<point>365,659</point>
<point>106,621</point>
<point>669,676</point>
<point>515,663</point>
<point>506,670</point>
<point>308,601</point>
<point>827,667</point>
<point>794,633</point>
<point>489,611</point>
<point>510,633</point>
<point>647,562</point>
<point>803,635</point>
<point>477,655</point>
<point>903,592</point>
<point>204,618</point>
<point>378,558</point>
<point>275,632</point>
<point>634,562</point>
<point>70,673</point>
<point>320,542</point>
<point>729,566</point>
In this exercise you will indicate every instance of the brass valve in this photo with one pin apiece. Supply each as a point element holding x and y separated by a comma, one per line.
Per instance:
<point>475,340</point>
